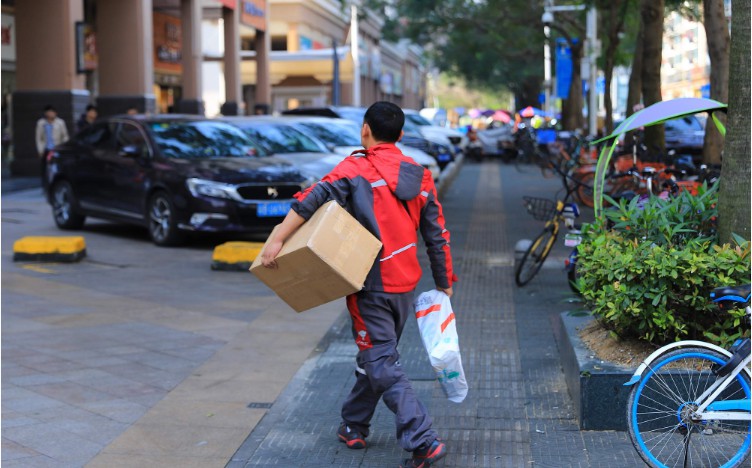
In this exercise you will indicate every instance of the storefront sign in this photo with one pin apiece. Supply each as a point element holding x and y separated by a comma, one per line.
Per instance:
<point>86,48</point>
<point>386,82</point>
<point>397,86</point>
<point>563,68</point>
<point>229,3</point>
<point>168,43</point>
<point>8,38</point>
<point>253,13</point>
<point>305,43</point>
<point>375,64</point>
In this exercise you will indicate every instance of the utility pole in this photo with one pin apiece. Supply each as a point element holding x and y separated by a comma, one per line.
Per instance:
<point>593,52</point>
<point>355,51</point>
<point>547,19</point>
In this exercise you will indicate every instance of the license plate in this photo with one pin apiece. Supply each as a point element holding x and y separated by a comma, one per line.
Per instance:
<point>272,209</point>
<point>445,157</point>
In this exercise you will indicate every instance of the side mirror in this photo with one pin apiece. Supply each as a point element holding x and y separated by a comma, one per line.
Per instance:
<point>130,151</point>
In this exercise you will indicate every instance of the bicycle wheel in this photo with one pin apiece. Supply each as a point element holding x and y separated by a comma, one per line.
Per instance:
<point>534,257</point>
<point>659,409</point>
<point>584,192</point>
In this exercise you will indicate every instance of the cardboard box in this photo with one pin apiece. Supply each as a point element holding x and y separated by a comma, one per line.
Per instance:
<point>328,257</point>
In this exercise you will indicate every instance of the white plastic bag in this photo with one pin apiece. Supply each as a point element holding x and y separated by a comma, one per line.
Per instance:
<point>438,329</point>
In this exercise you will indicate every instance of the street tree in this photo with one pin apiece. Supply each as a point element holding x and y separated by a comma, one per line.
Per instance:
<point>734,193</point>
<point>491,45</point>
<point>617,19</point>
<point>716,30</point>
<point>651,16</point>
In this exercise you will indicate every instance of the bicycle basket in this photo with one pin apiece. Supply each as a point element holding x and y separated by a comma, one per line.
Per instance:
<point>542,209</point>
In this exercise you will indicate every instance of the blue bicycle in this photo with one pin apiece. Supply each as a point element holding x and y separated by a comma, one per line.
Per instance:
<point>690,401</point>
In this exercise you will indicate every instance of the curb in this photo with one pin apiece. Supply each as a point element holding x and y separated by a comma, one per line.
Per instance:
<point>449,174</point>
<point>49,249</point>
<point>596,387</point>
<point>235,256</point>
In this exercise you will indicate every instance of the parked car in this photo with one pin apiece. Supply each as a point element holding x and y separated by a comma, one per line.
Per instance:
<point>685,135</point>
<point>439,148</point>
<point>343,137</point>
<point>498,140</point>
<point>278,137</point>
<point>431,131</point>
<point>171,174</point>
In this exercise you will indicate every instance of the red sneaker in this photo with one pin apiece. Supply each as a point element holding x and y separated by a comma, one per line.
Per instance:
<point>425,457</point>
<point>353,439</point>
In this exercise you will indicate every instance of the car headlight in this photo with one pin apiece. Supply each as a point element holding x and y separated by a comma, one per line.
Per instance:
<point>209,188</point>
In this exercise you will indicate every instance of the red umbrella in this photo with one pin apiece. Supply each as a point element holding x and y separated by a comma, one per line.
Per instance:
<point>530,111</point>
<point>502,116</point>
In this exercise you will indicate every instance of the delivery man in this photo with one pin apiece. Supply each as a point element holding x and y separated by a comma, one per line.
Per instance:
<point>392,197</point>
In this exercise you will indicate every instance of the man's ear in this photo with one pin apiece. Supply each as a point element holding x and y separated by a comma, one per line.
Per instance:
<point>365,131</point>
<point>402,133</point>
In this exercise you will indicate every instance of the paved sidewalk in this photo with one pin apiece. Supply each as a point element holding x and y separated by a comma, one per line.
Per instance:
<point>518,412</point>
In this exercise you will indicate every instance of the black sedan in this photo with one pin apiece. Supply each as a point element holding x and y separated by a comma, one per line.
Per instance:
<point>171,174</point>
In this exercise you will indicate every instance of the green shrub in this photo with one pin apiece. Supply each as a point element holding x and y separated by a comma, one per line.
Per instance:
<point>647,272</point>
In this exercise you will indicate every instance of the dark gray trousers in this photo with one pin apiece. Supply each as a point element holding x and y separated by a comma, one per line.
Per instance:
<point>377,322</point>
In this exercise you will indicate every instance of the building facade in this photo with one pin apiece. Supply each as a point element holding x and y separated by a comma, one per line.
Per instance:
<point>685,67</point>
<point>191,56</point>
<point>304,35</point>
<point>142,54</point>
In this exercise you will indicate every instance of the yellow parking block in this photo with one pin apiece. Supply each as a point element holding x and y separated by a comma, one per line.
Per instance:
<point>49,248</point>
<point>235,256</point>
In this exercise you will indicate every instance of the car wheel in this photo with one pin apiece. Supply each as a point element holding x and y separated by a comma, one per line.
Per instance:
<point>163,228</point>
<point>64,207</point>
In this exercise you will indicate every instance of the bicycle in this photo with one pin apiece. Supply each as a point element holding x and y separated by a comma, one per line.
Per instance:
<point>692,405</point>
<point>554,213</point>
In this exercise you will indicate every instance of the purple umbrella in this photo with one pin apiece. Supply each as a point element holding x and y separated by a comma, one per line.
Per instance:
<point>665,110</point>
<point>652,115</point>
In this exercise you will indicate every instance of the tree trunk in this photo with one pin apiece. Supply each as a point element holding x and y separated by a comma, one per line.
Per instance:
<point>651,15</point>
<point>634,96</point>
<point>571,108</point>
<point>734,195</point>
<point>716,29</point>
<point>527,93</point>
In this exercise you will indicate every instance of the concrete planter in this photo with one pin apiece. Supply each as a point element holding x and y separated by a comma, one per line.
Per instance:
<point>596,387</point>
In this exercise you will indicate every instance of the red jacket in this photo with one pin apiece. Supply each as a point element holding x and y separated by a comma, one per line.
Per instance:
<point>392,197</point>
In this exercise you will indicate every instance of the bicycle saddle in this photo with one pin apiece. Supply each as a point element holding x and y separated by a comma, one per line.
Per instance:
<point>740,294</point>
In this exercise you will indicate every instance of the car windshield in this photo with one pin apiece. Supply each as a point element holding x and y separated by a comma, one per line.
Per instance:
<point>282,138</point>
<point>417,119</point>
<point>201,139</point>
<point>337,134</point>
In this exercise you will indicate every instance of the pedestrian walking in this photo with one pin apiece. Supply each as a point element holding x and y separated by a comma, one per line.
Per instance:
<point>51,131</point>
<point>392,197</point>
<point>87,118</point>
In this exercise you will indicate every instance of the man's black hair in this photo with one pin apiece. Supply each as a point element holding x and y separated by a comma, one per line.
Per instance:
<point>385,120</point>
<point>91,107</point>
<point>49,107</point>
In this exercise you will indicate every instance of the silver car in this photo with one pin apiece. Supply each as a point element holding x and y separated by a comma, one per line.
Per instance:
<point>342,136</point>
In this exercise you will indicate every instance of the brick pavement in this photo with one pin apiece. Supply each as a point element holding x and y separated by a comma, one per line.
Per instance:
<point>517,413</point>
